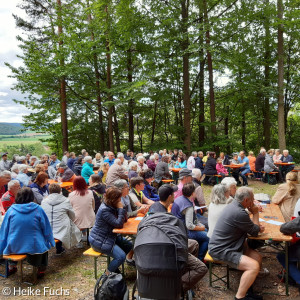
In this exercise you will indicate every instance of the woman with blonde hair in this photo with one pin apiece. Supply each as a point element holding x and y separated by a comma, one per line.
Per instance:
<point>98,160</point>
<point>103,171</point>
<point>287,195</point>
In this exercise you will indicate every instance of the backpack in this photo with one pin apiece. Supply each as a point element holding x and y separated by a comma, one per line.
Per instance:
<point>111,287</point>
<point>272,179</point>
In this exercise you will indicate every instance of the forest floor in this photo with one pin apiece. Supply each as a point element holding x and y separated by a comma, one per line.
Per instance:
<point>73,274</point>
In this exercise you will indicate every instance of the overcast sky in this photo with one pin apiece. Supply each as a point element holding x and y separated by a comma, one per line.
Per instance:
<point>9,111</point>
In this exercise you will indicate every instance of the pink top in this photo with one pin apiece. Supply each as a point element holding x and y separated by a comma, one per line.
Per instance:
<point>221,169</point>
<point>84,209</point>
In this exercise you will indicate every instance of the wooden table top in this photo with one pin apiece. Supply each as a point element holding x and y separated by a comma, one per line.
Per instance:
<point>233,166</point>
<point>272,231</point>
<point>175,169</point>
<point>284,164</point>
<point>130,227</point>
<point>62,184</point>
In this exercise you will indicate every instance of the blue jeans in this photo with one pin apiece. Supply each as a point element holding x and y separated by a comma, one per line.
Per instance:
<point>119,251</point>
<point>294,272</point>
<point>202,239</point>
<point>244,171</point>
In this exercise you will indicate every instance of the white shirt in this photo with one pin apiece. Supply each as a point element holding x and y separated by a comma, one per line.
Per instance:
<point>214,213</point>
<point>191,163</point>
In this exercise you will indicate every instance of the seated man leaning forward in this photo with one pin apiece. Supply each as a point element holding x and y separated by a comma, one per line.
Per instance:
<point>228,242</point>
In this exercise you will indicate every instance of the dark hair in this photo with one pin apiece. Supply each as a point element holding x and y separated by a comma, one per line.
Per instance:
<point>188,189</point>
<point>80,186</point>
<point>54,188</point>
<point>40,179</point>
<point>54,153</point>
<point>96,178</point>
<point>181,157</point>
<point>112,196</point>
<point>24,195</point>
<point>148,173</point>
<point>43,162</point>
<point>79,160</point>
<point>165,159</point>
<point>134,181</point>
<point>212,154</point>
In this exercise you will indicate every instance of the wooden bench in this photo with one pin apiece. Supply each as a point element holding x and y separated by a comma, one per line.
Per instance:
<point>217,177</point>
<point>92,253</point>
<point>17,258</point>
<point>268,175</point>
<point>211,263</point>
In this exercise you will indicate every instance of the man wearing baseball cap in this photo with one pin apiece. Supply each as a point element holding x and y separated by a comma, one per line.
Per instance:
<point>185,176</point>
<point>4,163</point>
<point>166,197</point>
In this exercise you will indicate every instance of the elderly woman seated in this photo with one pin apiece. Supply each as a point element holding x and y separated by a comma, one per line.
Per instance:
<point>124,162</point>
<point>22,176</point>
<point>26,229</point>
<point>133,166</point>
<point>87,168</point>
<point>231,185</point>
<point>141,163</point>
<point>220,197</point>
<point>61,216</point>
<point>128,204</point>
<point>40,187</point>
<point>287,195</point>
<point>14,171</point>
<point>151,163</point>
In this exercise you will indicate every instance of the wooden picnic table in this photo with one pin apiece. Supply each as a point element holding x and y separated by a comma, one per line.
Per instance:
<point>284,164</point>
<point>66,184</point>
<point>272,232</point>
<point>175,169</point>
<point>232,166</point>
<point>129,227</point>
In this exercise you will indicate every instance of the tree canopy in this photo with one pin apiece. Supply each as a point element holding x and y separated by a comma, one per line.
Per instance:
<point>145,74</point>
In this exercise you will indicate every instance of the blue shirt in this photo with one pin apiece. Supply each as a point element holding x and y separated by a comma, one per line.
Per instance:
<point>54,163</point>
<point>244,160</point>
<point>110,162</point>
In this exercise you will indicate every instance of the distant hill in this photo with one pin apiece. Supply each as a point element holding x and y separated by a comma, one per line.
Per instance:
<point>10,128</point>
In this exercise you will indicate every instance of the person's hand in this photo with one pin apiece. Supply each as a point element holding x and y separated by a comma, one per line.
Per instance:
<point>199,228</point>
<point>119,204</point>
<point>253,209</point>
<point>261,228</point>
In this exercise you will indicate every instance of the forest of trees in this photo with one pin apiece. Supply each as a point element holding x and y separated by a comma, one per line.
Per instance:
<point>150,74</point>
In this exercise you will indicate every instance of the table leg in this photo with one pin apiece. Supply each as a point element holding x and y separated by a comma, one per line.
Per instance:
<point>286,268</point>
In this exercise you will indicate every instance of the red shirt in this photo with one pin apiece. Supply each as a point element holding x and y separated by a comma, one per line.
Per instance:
<point>7,200</point>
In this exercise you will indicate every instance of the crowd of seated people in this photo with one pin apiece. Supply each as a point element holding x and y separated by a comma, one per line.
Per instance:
<point>134,182</point>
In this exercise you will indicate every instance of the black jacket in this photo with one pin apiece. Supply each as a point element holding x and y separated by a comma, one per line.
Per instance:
<point>210,167</point>
<point>260,162</point>
<point>199,164</point>
<point>107,218</point>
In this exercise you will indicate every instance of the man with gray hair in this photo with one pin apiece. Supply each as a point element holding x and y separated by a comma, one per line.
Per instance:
<point>191,161</point>
<point>65,173</point>
<point>228,241</point>
<point>5,177</point>
<point>114,173</point>
<point>8,199</point>
<point>24,179</point>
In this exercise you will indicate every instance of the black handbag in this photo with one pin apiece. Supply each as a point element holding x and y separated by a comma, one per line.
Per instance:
<point>111,287</point>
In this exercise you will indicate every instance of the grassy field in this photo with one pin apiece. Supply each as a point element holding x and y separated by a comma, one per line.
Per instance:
<point>12,140</point>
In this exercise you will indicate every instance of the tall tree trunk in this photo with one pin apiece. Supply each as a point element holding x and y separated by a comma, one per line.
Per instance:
<point>186,75</point>
<point>226,128</point>
<point>211,76</point>
<point>267,58</point>
<point>154,121</point>
<point>109,96</point>
<point>98,92</point>
<point>281,128</point>
<point>201,132</point>
<point>62,80</point>
<point>243,125</point>
<point>116,129</point>
<point>130,103</point>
